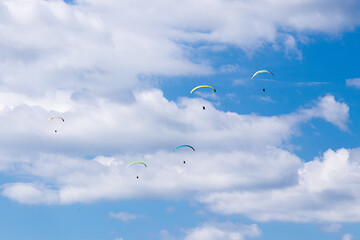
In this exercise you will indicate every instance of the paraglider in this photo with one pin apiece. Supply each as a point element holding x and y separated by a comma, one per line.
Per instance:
<point>56,118</point>
<point>137,163</point>
<point>202,86</point>
<point>137,177</point>
<point>262,71</point>
<point>184,146</point>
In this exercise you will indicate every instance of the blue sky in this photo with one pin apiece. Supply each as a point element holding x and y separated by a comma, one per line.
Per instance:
<point>280,164</point>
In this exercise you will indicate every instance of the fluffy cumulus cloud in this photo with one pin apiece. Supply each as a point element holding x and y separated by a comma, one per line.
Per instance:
<point>103,127</point>
<point>222,231</point>
<point>325,192</point>
<point>333,111</point>
<point>87,159</point>
<point>218,231</point>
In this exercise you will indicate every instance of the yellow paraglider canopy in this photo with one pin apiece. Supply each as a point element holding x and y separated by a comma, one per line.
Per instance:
<point>136,163</point>
<point>56,117</point>
<point>202,86</point>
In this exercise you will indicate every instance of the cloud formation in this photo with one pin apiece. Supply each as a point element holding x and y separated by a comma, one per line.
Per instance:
<point>222,231</point>
<point>91,62</point>
<point>226,144</point>
<point>325,192</point>
<point>353,82</point>
<point>123,216</point>
<point>92,48</point>
<point>347,237</point>
<point>218,231</point>
<point>332,111</point>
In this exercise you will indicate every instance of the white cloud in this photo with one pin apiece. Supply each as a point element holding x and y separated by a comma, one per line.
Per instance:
<point>30,193</point>
<point>353,82</point>
<point>58,100</point>
<point>326,192</point>
<point>229,68</point>
<point>237,82</point>
<point>347,237</point>
<point>266,99</point>
<point>311,83</point>
<point>157,126</point>
<point>334,112</point>
<point>331,227</point>
<point>94,48</point>
<point>166,176</point>
<point>102,128</point>
<point>124,216</point>
<point>81,50</point>
<point>83,62</point>
<point>223,231</point>
<point>166,236</point>
<point>218,231</point>
<point>291,48</point>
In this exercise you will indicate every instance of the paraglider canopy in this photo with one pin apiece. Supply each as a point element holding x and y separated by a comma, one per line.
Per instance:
<point>137,163</point>
<point>55,121</point>
<point>184,146</point>
<point>56,117</point>
<point>261,71</point>
<point>202,86</point>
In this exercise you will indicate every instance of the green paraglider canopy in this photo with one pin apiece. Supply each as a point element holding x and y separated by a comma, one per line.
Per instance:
<point>184,146</point>
<point>137,163</point>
